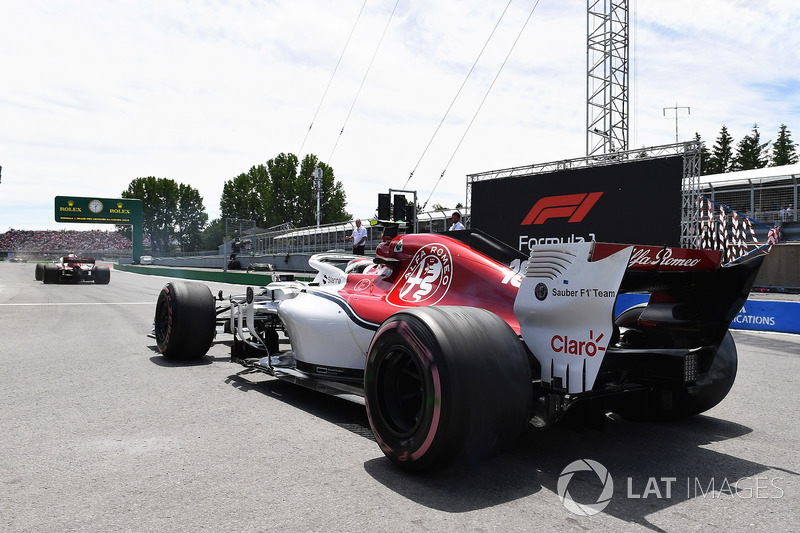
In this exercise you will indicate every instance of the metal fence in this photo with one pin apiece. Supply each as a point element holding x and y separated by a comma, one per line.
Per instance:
<point>331,237</point>
<point>769,200</point>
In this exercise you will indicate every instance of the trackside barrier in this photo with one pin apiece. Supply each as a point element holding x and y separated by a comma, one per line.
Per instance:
<point>256,279</point>
<point>757,315</point>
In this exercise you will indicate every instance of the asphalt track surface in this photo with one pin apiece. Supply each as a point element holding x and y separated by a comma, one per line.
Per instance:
<point>99,433</point>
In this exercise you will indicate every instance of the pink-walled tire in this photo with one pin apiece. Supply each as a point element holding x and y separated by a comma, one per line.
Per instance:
<point>185,320</point>
<point>446,385</point>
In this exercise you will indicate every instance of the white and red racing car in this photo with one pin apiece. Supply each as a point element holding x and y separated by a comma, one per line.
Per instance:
<point>456,342</point>
<point>72,268</point>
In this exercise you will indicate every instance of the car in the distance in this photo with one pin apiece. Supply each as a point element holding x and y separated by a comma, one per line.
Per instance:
<point>71,268</point>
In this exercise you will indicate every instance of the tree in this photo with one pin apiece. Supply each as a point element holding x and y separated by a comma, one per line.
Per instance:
<point>248,197</point>
<point>281,192</point>
<point>214,234</point>
<point>283,181</point>
<point>784,149</point>
<point>190,218</point>
<point>333,199</point>
<point>750,152</point>
<point>705,155</point>
<point>721,153</point>
<point>169,211</point>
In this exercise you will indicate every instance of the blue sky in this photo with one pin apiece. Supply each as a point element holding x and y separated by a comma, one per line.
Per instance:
<point>97,93</point>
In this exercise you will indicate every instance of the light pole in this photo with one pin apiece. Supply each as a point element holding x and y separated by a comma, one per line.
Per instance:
<point>318,188</point>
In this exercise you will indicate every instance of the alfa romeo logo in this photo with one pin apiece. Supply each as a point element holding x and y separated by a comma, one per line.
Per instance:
<point>427,277</point>
<point>585,465</point>
<point>540,291</point>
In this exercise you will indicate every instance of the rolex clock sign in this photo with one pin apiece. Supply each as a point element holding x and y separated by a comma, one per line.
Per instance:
<point>98,210</point>
<point>93,210</point>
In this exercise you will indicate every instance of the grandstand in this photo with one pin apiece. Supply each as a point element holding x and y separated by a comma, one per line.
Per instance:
<point>767,195</point>
<point>46,244</point>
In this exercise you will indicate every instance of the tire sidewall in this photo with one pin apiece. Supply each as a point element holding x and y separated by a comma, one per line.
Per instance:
<point>165,319</point>
<point>476,386</point>
<point>185,320</point>
<point>408,447</point>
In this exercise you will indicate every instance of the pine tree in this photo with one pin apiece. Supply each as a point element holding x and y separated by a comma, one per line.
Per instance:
<point>784,151</point>
<point>750,152</point>
<point>721,154</point>
<point>705,155</point>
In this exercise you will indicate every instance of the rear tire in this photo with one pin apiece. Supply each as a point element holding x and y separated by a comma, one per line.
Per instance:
<point>715,386</point>
<point>101,274</point>
<point>51,273</point>
<point>446,385</point>
<point>671,404</point>
<point>185,320</point>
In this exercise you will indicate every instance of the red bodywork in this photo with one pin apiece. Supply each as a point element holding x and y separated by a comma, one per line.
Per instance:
<point>427,269</point>
<point>435,269</point>
<point>75,268</point>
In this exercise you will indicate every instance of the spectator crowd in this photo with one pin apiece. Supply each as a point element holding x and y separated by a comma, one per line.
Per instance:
<point>71,240</point>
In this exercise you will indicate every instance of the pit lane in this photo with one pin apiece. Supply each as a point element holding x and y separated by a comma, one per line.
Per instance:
<point>100,433</point>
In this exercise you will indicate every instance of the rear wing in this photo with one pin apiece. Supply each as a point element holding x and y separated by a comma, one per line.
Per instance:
<point>661,258</point>
<point>565,305</point>
<point>67,259</point>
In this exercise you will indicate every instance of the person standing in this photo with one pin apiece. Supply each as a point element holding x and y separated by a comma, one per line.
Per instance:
<point>457,225</point>
<point>359,238</point>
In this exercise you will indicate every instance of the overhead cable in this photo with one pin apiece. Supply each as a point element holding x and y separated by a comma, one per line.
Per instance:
<point>463,83</point>
<point>514,44</point>
<point>299,152</point>
<point>375,53</point>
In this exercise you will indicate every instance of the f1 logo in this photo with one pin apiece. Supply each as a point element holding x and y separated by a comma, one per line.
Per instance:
<point>574,206</point>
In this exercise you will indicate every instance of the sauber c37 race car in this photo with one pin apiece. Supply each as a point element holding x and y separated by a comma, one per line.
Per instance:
<point>457,342</point>
<point>72,268</point>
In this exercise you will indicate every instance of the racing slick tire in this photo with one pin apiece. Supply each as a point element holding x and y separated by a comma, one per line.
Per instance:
<point>446,385</point>
<point>101,274</point>
<point>185,320</point>
<point>710,390</point>
<point>716,385</point>
<point>50,273</point>
<point>38,272</point>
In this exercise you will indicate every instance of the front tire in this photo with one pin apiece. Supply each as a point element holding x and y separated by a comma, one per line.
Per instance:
<point>38,272</point>
<point>185,320</point>
<point>444,385</point>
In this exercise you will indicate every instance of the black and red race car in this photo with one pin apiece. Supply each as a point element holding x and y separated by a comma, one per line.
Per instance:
<point>456,342</point>
<point>72,268</point>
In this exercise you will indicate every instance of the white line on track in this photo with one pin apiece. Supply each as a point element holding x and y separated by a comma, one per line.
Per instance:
<point>77,303</point>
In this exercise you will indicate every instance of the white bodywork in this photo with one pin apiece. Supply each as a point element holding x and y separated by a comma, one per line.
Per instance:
<point>319,323</point>
<point>565,308</point>
<point>323,333</point>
